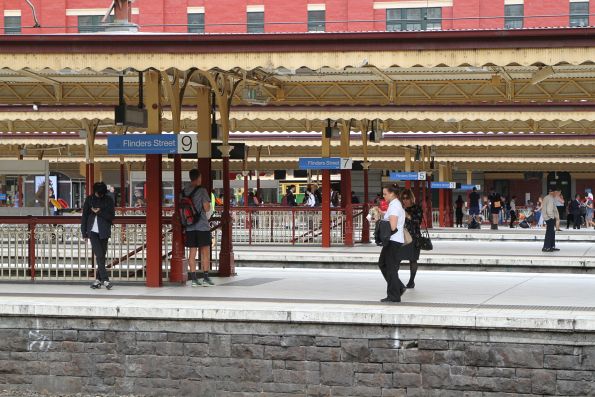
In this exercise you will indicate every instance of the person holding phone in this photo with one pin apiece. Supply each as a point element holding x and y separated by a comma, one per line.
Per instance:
<point>96,225</point>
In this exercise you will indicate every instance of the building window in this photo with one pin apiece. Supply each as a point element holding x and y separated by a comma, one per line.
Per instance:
<point>256,22</point>
<point>92,23</point>
<point>579,14</point>
<point>196,23</point>
<point>12,25</point>
<point>413,19</point>
<point>316,20</point>
<point>513,16</point>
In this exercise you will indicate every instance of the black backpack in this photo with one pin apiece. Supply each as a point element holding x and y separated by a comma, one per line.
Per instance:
<point>189,214</point>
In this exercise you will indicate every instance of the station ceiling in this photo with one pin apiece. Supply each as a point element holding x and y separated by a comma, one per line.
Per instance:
<point>430,82</point>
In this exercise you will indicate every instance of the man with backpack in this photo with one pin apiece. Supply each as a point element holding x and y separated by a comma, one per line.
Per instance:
<point>195,205</point>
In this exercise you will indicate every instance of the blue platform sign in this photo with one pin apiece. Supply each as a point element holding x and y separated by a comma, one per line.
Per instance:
<point>407,176</point>
<point>443,185</point>
<point>2,196</point>
<point>325,163</point>
<point>152,144</point>
<point>470,187</point>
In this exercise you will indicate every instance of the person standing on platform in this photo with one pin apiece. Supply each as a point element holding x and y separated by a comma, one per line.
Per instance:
<point>495,208</point>
<point>413,217</point>
<point>459,211</point>
<point>96,225</point>
<point>290,196</point>
<point>561,206</point>
<point>473,204</point>
<point>575,210</point>
<point>538,213</point>
<point>389,260</point>
<point>589,211</point>
<point>513,214</point>
<point>551,216</point>
<point>198,235</point>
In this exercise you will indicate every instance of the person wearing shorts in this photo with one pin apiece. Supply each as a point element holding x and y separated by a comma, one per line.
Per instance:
<point>198,235</point>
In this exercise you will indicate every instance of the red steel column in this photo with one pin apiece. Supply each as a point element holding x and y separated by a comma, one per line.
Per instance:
<point>31,252</point>
<point>204,165</point>
<point>430,214</point>
<point>326,197</point>
<point>154,241</point>
<point>89,178</point>
<point>122,185</point>
<point>326,208</point>
<point>154,177</point>
<point>366,224</point>
<point>20,192</point>
<point>346,184</point>
<point>245,189</point>
<point>346,181</point>
<point>226,263</point>
<point>176,273</point>
<point>441,206</point>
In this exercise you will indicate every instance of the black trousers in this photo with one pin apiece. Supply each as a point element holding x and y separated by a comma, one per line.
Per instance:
<point>389,263</point>
<point>578,220</point>
<point>459,217</point>
<point>550,234</point>
<point>512,218</point>
<point>99,247</point>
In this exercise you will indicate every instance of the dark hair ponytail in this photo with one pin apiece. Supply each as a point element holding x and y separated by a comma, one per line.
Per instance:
<point>393,188</point>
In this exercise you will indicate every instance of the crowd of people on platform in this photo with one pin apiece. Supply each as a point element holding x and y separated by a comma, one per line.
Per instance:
<point>577,212</point>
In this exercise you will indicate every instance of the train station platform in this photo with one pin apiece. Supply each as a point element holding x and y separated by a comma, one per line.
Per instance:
<point>485,251</point>
<point>539,301</point>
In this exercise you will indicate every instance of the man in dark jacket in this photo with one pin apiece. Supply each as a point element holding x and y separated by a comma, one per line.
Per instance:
<point>96,225</point>
<point>575,211</point>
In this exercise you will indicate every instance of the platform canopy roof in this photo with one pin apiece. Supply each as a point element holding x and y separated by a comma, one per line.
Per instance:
<point>530,83</point>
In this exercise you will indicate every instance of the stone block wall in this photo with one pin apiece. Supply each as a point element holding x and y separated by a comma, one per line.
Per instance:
<point>198,358</point>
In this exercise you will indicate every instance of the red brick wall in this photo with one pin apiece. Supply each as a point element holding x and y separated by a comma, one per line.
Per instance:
<point>229,16</point>
<point>360,10</point>
<point>542,10</point>
<point>277,13</point>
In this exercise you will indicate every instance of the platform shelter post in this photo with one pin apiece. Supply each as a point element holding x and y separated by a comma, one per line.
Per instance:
<point>326,197</point>
<point>407,154</point>
<point>366,164</point>
<point>153,193</point>
<point>346,185</point>
<point>224,88</point>
<point>204,129</point>
<point>175,94</point>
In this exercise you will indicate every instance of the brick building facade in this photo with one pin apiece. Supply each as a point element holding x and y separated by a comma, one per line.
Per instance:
<point>271,16</point>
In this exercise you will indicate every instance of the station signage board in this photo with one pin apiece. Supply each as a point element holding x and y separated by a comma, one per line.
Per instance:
<point>443,185</point>
<point>470,187</point>
<point>152,144</point>
<point>325,163</point>
<point>2,196</point>
<point>407,176</point>
<point>237,153</point>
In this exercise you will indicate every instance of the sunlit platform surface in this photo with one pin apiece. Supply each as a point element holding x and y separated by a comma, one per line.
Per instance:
<point>470,299</point>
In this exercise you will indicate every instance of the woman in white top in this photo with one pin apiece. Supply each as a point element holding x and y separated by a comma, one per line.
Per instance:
<point>389,260</point>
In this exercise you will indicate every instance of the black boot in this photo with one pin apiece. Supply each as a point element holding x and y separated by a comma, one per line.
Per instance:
<point>412,273</point>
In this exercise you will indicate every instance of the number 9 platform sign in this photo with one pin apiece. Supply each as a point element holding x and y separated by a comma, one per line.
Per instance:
<point>152,144</point>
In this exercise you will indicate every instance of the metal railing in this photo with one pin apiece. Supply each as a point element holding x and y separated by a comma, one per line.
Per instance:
<point>52,248</point>
<point>291,225</point>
